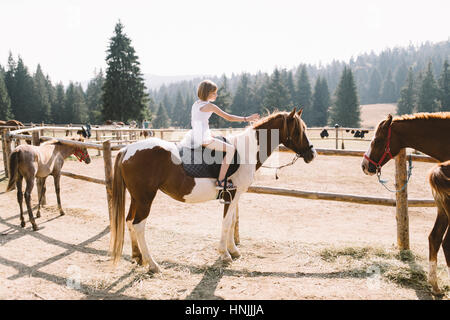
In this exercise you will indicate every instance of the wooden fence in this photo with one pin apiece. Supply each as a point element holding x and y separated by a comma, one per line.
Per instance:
<point>401,202</point>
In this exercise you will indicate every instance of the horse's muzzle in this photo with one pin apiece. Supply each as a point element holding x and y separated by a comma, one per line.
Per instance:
<point>309,155</point>
<point>87,161</point>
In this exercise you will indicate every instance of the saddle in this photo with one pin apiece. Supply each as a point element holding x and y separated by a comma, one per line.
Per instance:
<point>199,163</point>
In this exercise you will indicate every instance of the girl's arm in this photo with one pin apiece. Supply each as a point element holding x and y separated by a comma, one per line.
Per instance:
<point>229,117</point>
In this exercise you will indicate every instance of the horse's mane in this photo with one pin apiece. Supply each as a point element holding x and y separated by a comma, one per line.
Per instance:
<point>269,117</point>
<point>49,142</point>
<point>55,141</point>
<point>423,116</point>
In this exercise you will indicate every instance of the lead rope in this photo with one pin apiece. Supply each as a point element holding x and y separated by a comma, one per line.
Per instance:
<point>384,182</point>
<point>296,157</point>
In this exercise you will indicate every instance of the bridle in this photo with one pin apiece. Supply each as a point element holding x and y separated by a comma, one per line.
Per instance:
<point>387,151</point>
<point>80,155</point>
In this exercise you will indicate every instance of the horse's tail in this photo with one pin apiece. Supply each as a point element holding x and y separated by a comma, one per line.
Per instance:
<point>117,224</point>
<point>440,181</point>
<point>13,170</point>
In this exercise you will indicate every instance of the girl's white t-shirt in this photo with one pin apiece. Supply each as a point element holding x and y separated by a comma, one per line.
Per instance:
<point>200,132</point>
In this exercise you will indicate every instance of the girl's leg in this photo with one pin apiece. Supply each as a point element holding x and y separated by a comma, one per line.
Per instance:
<point>222,146</point>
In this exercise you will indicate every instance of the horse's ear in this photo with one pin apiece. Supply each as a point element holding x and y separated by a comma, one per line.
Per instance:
<point>291,115</point>
<point>299,112</point>
<point>388,120</point>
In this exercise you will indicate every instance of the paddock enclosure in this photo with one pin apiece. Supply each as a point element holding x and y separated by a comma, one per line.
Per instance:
<point>292,248</point>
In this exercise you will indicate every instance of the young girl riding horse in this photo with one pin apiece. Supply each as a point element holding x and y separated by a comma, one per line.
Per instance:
<point>200,135</point>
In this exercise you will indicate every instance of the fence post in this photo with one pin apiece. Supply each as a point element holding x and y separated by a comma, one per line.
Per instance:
<point>35,140</point>
<point>401,201</point>
<point>97,137</point>
<point>336,126</point>
<point>107,159</point>
<point>5,149</point>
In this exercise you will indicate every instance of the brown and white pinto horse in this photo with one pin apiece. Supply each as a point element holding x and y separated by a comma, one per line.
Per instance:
<point>40,161</point>
<point>430,134</point>
<point>153,164</point>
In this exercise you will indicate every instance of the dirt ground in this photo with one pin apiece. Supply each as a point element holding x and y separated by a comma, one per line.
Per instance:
<point>291,248</point>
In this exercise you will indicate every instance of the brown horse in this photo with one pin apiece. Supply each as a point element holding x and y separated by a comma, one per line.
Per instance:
<point>40,161</point>
<point>430,134</point>
<point>153,164</point>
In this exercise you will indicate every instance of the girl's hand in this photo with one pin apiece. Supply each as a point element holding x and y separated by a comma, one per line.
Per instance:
<point>253,117</point>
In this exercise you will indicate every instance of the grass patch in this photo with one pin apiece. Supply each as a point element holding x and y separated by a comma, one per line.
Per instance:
<point>358,253</point>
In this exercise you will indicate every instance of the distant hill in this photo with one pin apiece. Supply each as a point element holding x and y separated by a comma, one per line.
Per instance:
<point>372,114</point>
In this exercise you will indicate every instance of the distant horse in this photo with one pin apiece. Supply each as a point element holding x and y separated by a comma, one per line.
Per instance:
<point>150,165</point>
<point>430,134</point>
<point>40,161</point>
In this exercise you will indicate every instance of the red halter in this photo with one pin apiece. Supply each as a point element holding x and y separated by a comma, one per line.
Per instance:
<point>387,151</point>
<point>81,156</point>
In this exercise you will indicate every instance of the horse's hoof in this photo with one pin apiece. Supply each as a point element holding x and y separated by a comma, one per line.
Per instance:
<point>137,260</point>
<point>61,213</point>
<point>235,255</point>
<point>226,259</point>
<point>35,228</point>
<point>22,224</point>
<point>154,269</point>
<point>38,215</point>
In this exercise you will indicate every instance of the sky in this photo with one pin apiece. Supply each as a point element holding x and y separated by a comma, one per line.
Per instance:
<point>192,37</point>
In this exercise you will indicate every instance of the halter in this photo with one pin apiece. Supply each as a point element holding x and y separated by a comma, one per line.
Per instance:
<point>387,151</point>
<point>80,155</point>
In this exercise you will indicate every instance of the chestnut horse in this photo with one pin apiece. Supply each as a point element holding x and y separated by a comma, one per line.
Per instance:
<point>40,161</point>
<point>153,164</point>
<point>430,134</point>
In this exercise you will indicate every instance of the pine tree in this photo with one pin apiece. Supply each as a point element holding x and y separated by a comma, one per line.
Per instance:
<point>124,96</point>
<point>345,110</point>
<point>178,113</point>
<point>242,98</point>
<point>162,119</point>
<point>41,98</point>
<point>277,95</point>
<point>288,80</point>
<point>407,101</point>
<point>428,93</point>
<point>223,101</point>
<point>304,94</point>
<point>75,106</point>
<point>58,107</point>
<point>321,103</point>
<point>374,87</point>
<point>94,93</point>
<point>22,95</point>
<point>444,88</point>
<point>388,91</point>
<point>5,101</point>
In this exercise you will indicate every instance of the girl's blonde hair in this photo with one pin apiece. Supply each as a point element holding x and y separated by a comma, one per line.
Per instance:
<point>205,88</point>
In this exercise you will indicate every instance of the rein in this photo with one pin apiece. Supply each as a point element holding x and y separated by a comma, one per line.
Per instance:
<point>80,155</point>
<point>387,151</point>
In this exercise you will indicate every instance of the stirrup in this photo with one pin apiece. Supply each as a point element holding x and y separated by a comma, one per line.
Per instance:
<point>228,184</point>
<point>222,198</point>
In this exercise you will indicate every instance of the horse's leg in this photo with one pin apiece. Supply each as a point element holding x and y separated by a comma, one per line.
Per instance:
<point>446,241</point>
<point>20,198</point>
<point>136,254</point>
<point>28,189</point>
<point>226,245</point>
<point>435,240</point>
<point>237,239</point>
<point>142,211</point>
<point>56,179</point>
<point>40,182</point>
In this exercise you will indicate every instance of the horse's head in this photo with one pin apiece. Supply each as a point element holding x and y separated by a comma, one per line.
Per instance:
<point>293,136</point>
<point>80,152</point>
<point>383,147</point>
